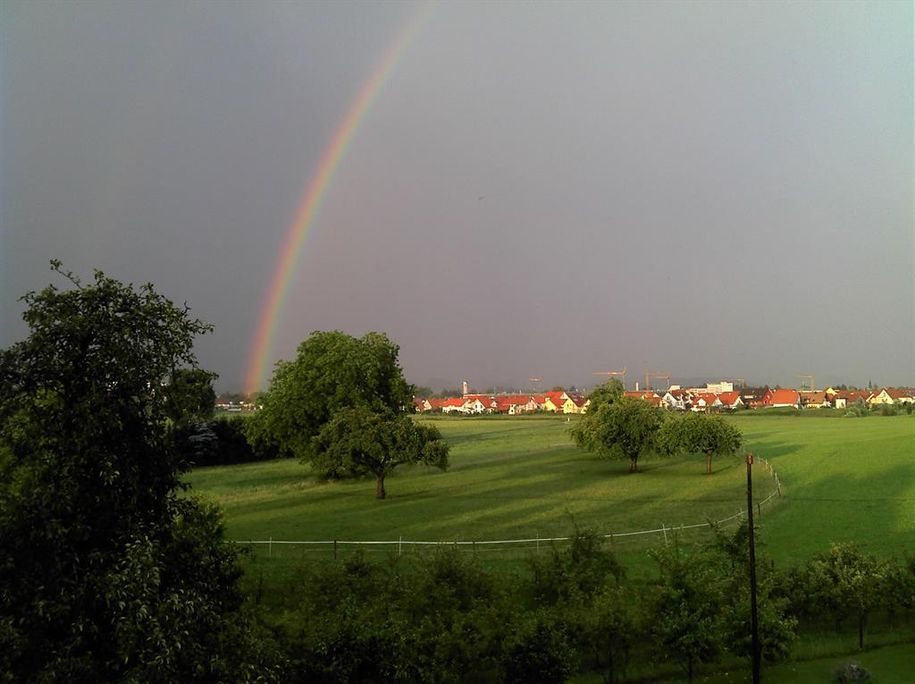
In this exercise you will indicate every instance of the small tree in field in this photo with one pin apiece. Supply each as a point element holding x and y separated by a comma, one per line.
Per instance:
<point>360,441</point>
<point>699,432</point>
<point>625,428</point>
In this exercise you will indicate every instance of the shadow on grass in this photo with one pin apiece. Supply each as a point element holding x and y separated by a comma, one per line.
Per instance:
<point>869,509</point>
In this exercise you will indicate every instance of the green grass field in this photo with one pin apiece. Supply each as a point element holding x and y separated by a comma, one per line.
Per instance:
<point>842,480</point>
<point>846,479</point>
<point>887,665</point>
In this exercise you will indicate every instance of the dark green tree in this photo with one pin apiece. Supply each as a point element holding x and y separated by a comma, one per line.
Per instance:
<point>574,573</point>
<point>359,441</point>
<point>688,611</point>
<point>607,393</point>
<point>331,371</point>
<point>626,428</point>
<point>538,651</point>
<point>107,573</point>
<point>700,433</point>
<point>777,629</point>
<point>613,626</point>
<point>189,396</point>
<point>849,580</point>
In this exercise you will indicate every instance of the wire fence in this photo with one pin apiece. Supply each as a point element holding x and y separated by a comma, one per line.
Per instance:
<point>530,543</point>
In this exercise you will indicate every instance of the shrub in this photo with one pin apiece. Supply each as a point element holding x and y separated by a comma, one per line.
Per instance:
<point>575,573</point>
<point>851,672</point>
<point>539,652</point>
<point>220,442</point>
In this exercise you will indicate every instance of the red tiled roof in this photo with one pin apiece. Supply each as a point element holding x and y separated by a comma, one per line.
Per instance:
<point>729,398</point>
<point>854,395</point>
<point>812,397</point>
<point>784,396</point>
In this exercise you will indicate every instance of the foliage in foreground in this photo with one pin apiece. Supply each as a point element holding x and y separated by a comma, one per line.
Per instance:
<point>106,573</point>
<point>446,619</point>
<point>220,442</point>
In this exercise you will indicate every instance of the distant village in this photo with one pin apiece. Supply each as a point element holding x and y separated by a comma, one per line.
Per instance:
<point>714,397</point>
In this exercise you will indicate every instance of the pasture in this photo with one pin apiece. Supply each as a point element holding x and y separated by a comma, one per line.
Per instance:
<point>511,478</point>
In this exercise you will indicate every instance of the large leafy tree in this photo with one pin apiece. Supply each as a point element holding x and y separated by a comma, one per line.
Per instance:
<point>688,610</point>
<point>331,371</point>
<point>625,428</point>
<point>359,441</point>
<point>106,573</point>
<point>700,433</point>
<point>607,393</point>
<point>845,579</point>
<point>189,395</point>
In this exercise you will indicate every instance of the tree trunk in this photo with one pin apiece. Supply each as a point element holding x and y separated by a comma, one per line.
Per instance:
<point>862,624</point>
<point>708,462</point>
<point>379,487</point>
<point>689,669</point>
<point>634,464</point>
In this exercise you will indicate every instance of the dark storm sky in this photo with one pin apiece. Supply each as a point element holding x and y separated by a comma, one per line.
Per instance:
<point>710,189</point>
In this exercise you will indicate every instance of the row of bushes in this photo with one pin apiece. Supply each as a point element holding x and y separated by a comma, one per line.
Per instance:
<point>219,442</point>
<point>447,619</point>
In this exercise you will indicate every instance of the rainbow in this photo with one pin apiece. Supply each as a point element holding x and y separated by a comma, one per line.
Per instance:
<point>310,206</point>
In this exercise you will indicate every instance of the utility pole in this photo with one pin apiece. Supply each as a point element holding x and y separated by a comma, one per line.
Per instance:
<point>754,623</point>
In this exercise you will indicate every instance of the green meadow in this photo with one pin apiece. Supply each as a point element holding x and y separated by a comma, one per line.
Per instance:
<point>848,479</point>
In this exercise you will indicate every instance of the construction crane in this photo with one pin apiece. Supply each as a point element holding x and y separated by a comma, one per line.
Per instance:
<point>657,376</point>
<point>811,381</point>
<point>536,384</point>
<point>614,374</point>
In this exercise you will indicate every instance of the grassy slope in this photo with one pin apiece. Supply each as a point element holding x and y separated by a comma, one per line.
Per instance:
<point>508,479</point>
<point>887,665</point>
<point>844,479</point>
